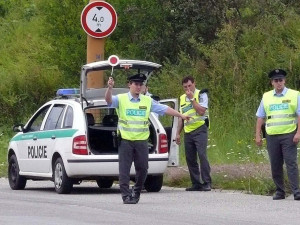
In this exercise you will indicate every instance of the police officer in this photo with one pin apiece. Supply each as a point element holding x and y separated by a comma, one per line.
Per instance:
<point>133,109</point>
<point>279,109</point>
<point>195,104</point>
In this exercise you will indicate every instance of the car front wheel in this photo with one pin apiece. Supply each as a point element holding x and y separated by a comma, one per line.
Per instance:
<point>62,183</point>
<point>154,183</point>
<point>16,181</point>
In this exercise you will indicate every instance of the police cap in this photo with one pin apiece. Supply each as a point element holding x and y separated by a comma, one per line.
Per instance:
<point>277,73</point>
<point>138,77</point>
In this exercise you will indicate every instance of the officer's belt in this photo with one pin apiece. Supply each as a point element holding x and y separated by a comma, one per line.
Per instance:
<point>133,129</point>
<point>133,122</point>
<point>281,123</point>
<point>282,116</point>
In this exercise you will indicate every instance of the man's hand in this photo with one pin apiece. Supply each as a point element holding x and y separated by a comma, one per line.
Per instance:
<point>258,140</point>
<point>110,82</point>
<point>189,94</point>
<point>177,139</point>
<point>187,118</point>
<point>296,138</point>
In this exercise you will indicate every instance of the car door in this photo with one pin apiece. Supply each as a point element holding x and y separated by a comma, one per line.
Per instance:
<point>28,148</point>
<point>170,124</point>
<point>49,135</point>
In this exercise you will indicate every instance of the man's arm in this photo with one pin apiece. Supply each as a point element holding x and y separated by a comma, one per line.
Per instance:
<point>199,109</point>
<point>179,129</point>
<point>297,135</point>
<point>259,123</point>
<point>173,112</point>
<point>108,93</point>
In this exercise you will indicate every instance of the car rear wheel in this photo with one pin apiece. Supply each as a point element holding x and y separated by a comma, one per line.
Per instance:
<point>62,183</point>
<point>154,183</point>
<point>16,181</point>
<point>105,182</point>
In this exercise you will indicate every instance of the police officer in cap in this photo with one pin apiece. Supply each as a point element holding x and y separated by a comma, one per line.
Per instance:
<point>133,109</point>
<point>279,109</point>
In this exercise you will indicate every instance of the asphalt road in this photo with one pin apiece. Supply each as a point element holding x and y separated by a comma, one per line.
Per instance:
<point>87,204</point>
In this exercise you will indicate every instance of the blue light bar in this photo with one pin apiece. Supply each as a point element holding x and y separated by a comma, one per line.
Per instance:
<point>68,92</point>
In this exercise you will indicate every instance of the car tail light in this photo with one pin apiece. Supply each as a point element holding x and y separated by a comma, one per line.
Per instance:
<point>79,145</point>
<point>162,144</point>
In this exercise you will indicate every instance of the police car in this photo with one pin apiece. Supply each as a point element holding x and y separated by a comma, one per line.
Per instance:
<point>74,136</point>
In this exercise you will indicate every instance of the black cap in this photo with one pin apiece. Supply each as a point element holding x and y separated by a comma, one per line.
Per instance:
<point>137,77</point>
<point>277,73</point>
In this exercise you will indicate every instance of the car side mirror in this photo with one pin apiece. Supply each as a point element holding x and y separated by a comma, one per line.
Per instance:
<point>18,128</point>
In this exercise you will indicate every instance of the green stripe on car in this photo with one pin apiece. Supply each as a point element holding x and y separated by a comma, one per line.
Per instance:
<point>45,134</point>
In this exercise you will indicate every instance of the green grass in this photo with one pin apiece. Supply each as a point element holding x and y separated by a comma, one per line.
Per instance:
<point>5,136</point>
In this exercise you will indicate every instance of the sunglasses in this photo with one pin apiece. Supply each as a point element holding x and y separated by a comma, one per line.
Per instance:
<point>277,80</point>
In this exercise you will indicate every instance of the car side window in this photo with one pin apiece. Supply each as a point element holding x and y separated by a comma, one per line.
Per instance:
<point>68,122</point>
<point>55,117</point>
<point>36,123</point>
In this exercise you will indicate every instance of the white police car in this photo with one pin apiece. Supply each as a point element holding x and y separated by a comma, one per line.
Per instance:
<point>74,137</point>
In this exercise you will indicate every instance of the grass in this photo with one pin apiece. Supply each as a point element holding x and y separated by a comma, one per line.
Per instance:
<point>4,140</point>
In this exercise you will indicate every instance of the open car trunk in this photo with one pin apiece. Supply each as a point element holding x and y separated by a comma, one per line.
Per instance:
<point>102,135</point>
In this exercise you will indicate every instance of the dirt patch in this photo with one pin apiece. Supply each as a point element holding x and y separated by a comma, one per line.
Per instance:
<point>232,171</point>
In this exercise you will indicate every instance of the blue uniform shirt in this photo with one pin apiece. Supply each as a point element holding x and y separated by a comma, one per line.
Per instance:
<point>156,107</point>
<point>261,113</point>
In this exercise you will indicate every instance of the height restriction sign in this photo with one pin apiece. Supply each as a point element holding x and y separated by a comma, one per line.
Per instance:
<point>99,19</point>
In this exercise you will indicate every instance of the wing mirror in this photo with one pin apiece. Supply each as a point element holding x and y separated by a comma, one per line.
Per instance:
<point>18,128</point>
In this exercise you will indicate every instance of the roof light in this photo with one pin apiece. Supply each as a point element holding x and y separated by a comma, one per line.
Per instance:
<point>68,91</point>
<point>113,60</point>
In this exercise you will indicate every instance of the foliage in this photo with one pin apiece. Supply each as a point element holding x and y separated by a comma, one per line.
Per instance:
<point>27,77</point>
<point>65,35</point>
<point>5,135</point>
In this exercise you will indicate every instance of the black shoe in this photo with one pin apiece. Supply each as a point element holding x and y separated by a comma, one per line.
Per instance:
<point>135,195</point>
<point>206,187</point>
<point>129,200</point>
<point>297,196</point>
<point>194,188</point>
<point>278,196</point>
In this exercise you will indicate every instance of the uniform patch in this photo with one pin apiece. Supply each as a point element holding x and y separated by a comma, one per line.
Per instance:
<point>277,107</point>
<point>136,112</point>
<point>286,101</point>
<point>187,108</point>
<point>142,107</point>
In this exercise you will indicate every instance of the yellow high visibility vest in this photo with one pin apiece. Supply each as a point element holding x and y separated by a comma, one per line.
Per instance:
<point>133,121</point>
<point>281,117</point>
<point>186,108</point>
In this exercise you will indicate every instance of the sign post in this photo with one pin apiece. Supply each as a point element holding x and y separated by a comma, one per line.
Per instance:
<point>98,19</point>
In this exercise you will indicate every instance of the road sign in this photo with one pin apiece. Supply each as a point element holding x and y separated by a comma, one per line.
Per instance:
<point>99,19</point>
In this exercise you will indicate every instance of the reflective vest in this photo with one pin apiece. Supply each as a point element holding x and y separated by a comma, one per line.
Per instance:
<point>186,108</point>
<point>281,117</point>
<point>133,117</point>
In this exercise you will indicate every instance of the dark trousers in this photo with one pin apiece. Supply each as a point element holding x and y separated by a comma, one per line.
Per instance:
<point>137,152</point>
<point>196,143</point>
<point>282,149</point>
